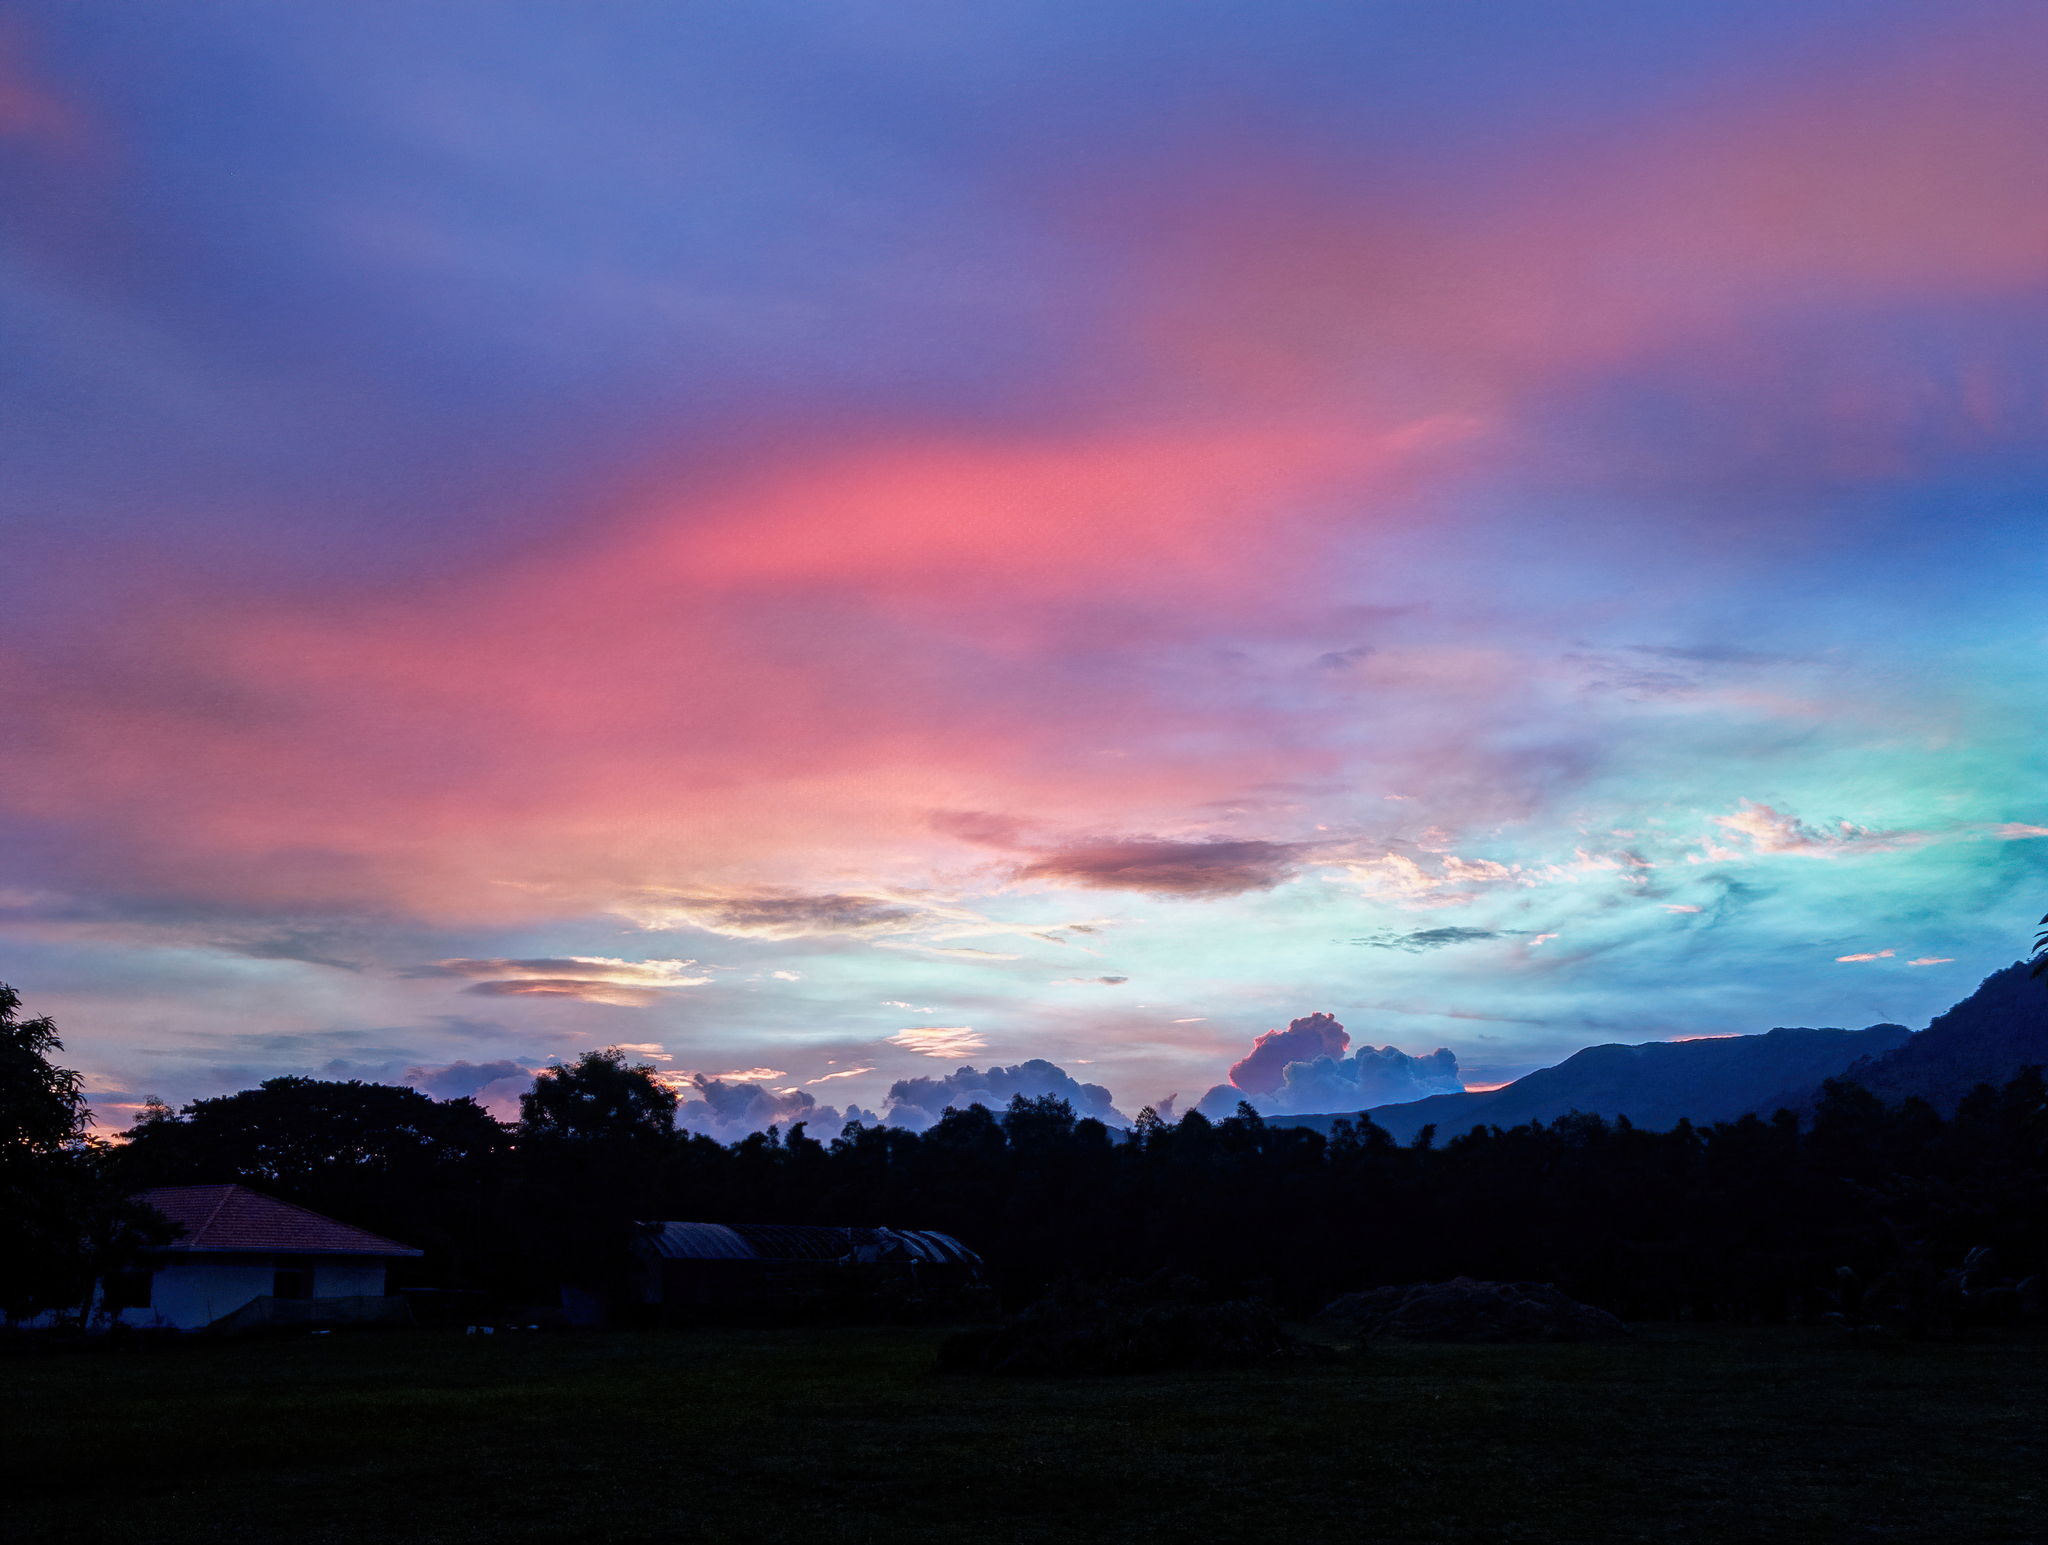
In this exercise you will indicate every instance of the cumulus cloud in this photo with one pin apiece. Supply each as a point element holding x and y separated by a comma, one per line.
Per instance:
<point>458,1079</point>
<point>917,1102</point>
<point>1373,1076</point>
<point>1303,1069</point>
<point>1218,868</point>
<point>501,1095</point>
<point>1263,1069</point>
<point>729,1111</point>
<point>939,1040</point>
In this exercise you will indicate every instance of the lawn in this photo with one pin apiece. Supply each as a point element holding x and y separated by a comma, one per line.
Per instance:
<point>1689,1433</point>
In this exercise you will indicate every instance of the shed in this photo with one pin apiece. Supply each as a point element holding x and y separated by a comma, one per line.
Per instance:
<point>239,1245</point>
<point>739,1265</point>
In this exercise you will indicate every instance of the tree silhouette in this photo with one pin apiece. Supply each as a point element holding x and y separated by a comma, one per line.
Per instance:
<point>65,1222</point>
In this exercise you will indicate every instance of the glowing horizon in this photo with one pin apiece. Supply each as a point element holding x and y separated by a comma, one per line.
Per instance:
<point>855,539</point>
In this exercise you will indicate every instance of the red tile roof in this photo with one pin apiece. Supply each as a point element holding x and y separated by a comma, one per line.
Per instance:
<point>236,1218</point>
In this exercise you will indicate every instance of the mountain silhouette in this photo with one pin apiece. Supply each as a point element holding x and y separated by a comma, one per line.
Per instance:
<point>1987,1038</point>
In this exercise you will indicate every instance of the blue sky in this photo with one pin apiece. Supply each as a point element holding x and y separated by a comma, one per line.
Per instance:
<point>764,536</point>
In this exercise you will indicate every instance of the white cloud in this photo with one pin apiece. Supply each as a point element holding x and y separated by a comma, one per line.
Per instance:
<point>1773,831</point>
<point>844,1073</point>
<point>939,1040</point>
<point>1933,960</point>
<point>582,968</point>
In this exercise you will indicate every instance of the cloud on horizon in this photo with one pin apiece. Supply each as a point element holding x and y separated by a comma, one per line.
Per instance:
<point>916,1103</point>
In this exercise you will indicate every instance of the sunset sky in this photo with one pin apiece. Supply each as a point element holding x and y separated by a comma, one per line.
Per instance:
<point>829,542</point>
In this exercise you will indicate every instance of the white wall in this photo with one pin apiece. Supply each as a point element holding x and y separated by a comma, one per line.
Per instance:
<point>192,1294</point>
<point>347,1276</point>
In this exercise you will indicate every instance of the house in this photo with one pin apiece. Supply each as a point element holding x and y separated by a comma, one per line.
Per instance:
<point>239,1245</point>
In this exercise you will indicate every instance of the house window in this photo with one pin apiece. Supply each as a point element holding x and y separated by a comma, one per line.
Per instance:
<point>294,1278</point>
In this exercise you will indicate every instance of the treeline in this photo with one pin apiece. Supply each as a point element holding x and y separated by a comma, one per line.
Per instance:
<point>1747,1219</point>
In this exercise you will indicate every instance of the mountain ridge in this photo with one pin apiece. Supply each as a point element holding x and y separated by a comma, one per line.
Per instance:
<point>1986,1038</point>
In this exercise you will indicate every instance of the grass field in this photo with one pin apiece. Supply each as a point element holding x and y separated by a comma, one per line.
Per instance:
<point>1689,1433</point>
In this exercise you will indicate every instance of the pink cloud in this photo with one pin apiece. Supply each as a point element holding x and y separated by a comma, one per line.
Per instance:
<point>809,660</point>
<point>1879,955</point>
<point>1304,1040</point>
<point>1772,831</point>
<point>842,1073</point>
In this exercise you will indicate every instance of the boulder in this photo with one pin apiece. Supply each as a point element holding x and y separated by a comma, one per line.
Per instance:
<point>1465,1310</point>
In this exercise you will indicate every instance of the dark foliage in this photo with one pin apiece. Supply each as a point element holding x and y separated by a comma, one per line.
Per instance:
<point>428,1173</point>
<point>1741,1220</point>
<point>66,1223</point>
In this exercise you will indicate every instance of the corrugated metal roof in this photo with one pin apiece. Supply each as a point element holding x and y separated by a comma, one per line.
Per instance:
<point>696,1242</point>
<point>800,1242</point>
<point>931,1246</point>
<point>233,1217</point>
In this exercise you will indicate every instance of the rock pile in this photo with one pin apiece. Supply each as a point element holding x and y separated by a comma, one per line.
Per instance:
<point>1465,1310</point>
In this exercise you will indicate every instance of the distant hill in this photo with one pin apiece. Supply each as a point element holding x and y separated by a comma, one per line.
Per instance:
<point>1987,1038</point>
